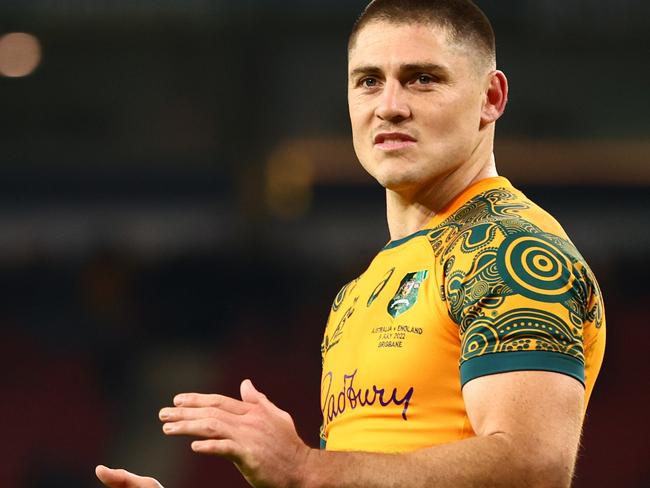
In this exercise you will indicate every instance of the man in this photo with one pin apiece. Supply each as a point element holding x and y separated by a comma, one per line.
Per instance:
<point>475,274</point>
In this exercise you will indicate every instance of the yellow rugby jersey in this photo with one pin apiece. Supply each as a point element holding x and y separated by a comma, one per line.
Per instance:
<point>492,285</point>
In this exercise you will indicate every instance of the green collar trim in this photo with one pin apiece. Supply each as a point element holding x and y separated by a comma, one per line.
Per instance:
<point>399,242</point>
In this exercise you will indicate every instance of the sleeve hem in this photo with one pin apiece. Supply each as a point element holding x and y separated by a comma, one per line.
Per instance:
<point>521,361</point>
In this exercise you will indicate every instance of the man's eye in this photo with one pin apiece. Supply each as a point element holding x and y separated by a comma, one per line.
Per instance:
<point>425,79</point>
<point>368,82</point>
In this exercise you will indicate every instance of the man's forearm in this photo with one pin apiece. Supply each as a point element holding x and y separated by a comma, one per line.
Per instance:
<point>494,460</point>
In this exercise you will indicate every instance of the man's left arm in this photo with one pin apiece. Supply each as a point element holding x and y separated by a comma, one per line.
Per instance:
<point>527,426</point>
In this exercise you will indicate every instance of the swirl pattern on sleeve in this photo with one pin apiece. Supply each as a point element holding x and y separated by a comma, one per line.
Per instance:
<point>521,294</point>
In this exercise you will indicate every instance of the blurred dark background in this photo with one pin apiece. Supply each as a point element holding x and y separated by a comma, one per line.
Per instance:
<point>179,202</point>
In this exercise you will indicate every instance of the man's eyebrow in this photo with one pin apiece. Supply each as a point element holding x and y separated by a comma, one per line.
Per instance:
<point>425,68</point>
<point>364,70</point>
<point>408,68</point>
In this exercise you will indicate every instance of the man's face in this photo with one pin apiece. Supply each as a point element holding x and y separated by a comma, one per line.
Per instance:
<point>415,102</point>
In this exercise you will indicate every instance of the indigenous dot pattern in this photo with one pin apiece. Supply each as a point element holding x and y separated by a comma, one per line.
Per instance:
<point>509,285</point>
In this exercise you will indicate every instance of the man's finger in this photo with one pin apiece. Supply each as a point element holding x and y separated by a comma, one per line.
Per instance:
<point>176,414</point>
<point>221,402</point>
<point>120,478</point>
<point>226,448</point>
<point>210,428</point>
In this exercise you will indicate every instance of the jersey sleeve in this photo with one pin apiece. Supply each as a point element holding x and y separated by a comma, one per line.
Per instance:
<point>521,301</point>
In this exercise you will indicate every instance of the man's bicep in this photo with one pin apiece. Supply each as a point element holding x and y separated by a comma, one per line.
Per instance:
<point>540,412</point>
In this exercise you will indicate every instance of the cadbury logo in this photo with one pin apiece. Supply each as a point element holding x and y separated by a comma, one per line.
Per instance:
<point>349,397</point>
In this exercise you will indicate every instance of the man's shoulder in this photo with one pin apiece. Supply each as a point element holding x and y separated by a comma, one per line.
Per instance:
<point>501,244</point>
<point>490,217</point>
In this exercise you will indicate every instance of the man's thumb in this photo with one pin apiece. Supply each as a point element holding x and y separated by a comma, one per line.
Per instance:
<point>249,393</point>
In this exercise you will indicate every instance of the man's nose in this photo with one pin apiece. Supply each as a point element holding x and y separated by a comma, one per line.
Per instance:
<point>393,105</point>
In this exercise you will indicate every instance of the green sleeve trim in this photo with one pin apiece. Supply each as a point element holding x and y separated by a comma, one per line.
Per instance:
<point>505,362</point>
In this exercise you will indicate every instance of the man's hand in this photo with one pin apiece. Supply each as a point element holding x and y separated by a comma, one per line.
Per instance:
<point>120,478</point>
<point>253,433</point>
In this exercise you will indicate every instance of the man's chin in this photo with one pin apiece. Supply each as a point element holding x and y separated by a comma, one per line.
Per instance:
<point>398,185</point>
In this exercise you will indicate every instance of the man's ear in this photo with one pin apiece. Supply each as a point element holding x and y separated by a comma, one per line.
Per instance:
<point>496,97</point>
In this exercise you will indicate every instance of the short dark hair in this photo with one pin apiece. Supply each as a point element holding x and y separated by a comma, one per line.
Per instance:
<point>463,20</point>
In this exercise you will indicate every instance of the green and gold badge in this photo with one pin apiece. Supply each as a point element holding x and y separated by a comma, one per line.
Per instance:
<point>407,293</point>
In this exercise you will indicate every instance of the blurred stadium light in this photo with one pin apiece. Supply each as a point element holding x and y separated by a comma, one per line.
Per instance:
<point>20,54</point>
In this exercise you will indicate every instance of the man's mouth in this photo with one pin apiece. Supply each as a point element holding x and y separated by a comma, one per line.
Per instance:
<point>391,141</point>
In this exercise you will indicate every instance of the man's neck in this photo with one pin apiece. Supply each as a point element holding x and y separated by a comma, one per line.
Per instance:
<point>408,214</point>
